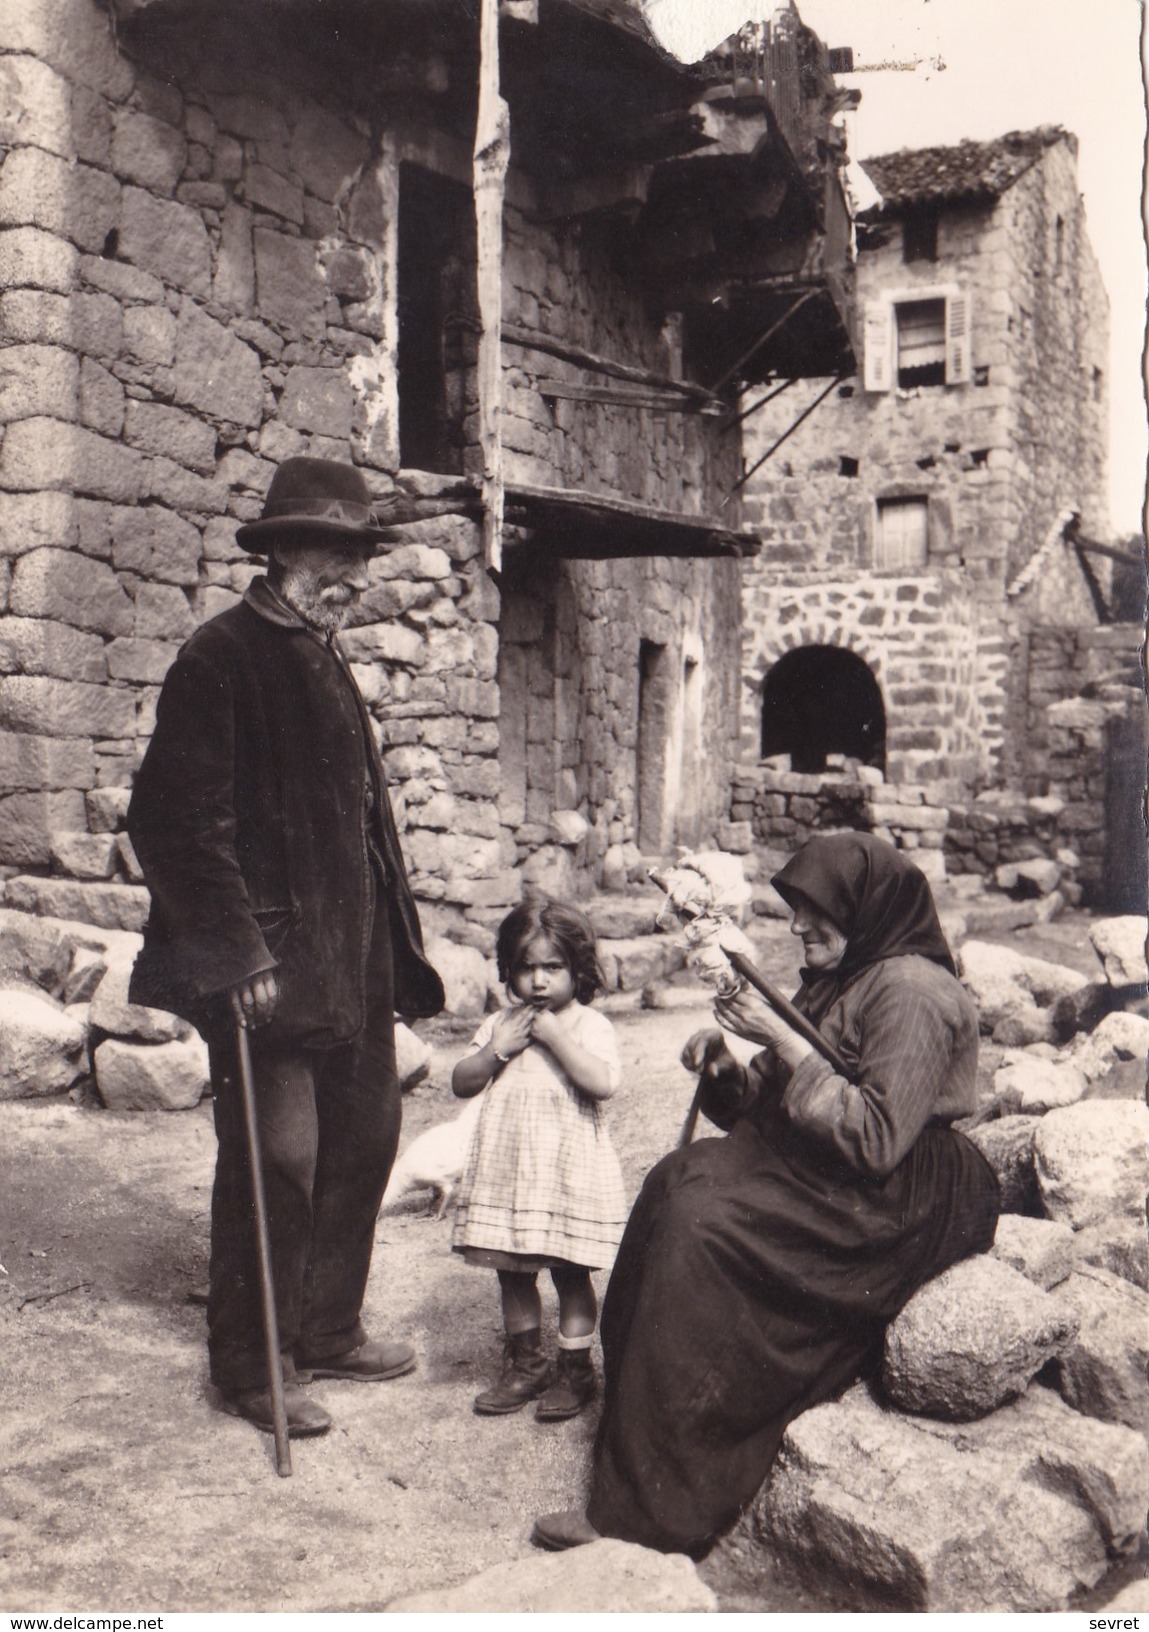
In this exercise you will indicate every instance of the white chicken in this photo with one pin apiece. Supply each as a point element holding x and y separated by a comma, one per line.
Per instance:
<point>435,1160</point>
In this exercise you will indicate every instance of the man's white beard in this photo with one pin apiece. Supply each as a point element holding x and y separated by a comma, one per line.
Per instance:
<point>298,590</point>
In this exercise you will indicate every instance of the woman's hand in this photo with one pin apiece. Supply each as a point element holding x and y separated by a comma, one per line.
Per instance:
<point>513,1029</point>
<point>747,1015</point>
<point>725,1091</point>
<point>702,1049</point>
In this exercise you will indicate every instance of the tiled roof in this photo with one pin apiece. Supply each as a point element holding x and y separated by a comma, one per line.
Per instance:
<point>933,175</point>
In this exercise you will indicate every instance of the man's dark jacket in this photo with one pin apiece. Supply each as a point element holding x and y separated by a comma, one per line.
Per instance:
<point>251,817</point>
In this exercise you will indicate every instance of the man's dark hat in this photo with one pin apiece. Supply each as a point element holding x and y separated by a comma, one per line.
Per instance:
<point>322,497</point>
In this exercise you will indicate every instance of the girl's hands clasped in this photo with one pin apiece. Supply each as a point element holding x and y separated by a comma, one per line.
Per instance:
<point>514,1029</point>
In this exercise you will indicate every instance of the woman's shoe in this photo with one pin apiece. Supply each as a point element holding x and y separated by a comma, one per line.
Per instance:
<point>558,1531</point>
<point>526,1373</point>
<point>574,1387</point>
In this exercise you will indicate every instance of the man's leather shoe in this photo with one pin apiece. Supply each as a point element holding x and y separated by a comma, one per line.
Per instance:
<point>558,1531</point>
<point>371,1362</point>
<point>304,1417</point>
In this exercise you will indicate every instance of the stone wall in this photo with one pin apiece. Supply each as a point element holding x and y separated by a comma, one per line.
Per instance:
<point>199,260</point>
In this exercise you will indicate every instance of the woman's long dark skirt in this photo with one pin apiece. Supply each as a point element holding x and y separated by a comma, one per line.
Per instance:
<point>752,1282</point>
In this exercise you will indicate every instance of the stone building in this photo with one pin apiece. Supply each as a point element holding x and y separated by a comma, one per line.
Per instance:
<point>926,587</point>
<point>232,232</point>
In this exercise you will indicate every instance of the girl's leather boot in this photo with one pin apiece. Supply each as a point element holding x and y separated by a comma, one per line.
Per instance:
<point>574,1387</point>
<point>526,1373</point>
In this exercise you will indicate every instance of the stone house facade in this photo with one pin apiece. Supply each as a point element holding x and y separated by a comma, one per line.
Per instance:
<point>923,529</point>
<point>229,234</point>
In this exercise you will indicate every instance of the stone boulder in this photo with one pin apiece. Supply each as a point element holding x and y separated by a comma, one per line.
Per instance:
<point>550,871</point>
<point>569,827</point>
<point>412,1056</point>
<point>42,1049</point>
<point>1120,944</point>
<point>629,965</point>
<point>36,950</point>
<point>1103,1371</point>
<point>1032,1086</point>
<point>112,1013</point>
<point>623,917</point>
<point>463,970</point>
<point>1039,1249</point>
<point>1119,1245</point>
<point>1090,1161</point>
<point>87,971</point>
<point>1117,1038</point>
<point>1015,994</point>
<point>971,1339</point>
<point>1012,1513</point>
<point>603,1578</point>
<point>1007,1146</point>
<point>135,1076</point>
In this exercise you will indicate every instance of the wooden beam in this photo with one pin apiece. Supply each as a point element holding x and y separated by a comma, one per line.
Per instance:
<point>624,188</point>
<point>600,526</point>
<point>492,153</point>
<point>623,396</point>
<point>535,340</point>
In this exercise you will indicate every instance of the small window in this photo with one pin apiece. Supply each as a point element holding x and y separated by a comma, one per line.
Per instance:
<point>920,235</point>
<point>902,541</point>
<point>921,327</point>
<point>916,338</point>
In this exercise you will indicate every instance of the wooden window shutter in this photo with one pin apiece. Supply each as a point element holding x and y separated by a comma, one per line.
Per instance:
<point>878,340</point>
<point>958,369</point>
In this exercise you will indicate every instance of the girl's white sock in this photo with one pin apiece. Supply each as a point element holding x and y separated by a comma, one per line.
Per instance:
<point>576,1342</point>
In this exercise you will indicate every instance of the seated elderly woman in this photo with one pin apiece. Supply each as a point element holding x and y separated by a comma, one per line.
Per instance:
<point>758,1272</point>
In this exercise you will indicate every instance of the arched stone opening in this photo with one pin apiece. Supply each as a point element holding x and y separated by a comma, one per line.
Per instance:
<point>819,700</point>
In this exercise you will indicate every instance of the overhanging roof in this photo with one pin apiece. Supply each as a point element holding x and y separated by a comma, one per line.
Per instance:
<point>599,526</point>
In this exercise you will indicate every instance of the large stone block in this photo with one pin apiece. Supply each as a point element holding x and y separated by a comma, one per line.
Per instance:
<point>318,400</point>
<point>74,37</point>
<point>167,239</point>
<point>73,202</point>
<point>147,151</point>
<point>970,1340</point>
<point>1030,1086</point>
<point>630,964</point>
<point>39,380</point>
<point>1119,1245</point>
<point>1014,994</point>
<point>325,152</point>
<point>149,335</point>
<point>463,970</point>
<point>1090,1161</point>
<point>1014,1513</point>
<point>151,1076</point>
<point>42,762</point>
<point>101,399</point>
<point>40,646</point>
<point>73,588</point>
<point>1103,1372</point>
<point>28,819</point>
<point>64,708</point>
<point>289,283</point>
<point>605,1577</point>
<point>107,809</point>
<point>1118,1038</point>
<point>42,1049</point>
<point>33,259</point>
<point>111,1011</point>
<point>35,108</point>
<point>154,543</point>
<point>155,428</point>
<point>1120,944</point>
<point>130,658</point>
<point>214,371</point>
<point>1007,1146</point>
<point>1038,1248</point>
<point>83,855</point>
<point>30,521</point>
<point>48,453</point>
<point>106,906</point>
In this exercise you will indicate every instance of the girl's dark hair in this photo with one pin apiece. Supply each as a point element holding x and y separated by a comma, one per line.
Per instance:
<point>569,929</point>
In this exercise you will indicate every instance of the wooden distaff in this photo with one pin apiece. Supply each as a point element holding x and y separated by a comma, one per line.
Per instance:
<point>793,1018</point>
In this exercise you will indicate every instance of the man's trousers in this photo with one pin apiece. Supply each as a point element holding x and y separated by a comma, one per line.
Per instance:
<point>328,1129</point>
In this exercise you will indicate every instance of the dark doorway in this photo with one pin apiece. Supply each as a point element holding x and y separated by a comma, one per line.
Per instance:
<point>437,318</point>
<point>1123,887</point>
<point>821,700</point>
<point>655,730</point>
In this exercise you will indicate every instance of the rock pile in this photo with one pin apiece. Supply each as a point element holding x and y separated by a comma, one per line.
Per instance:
<point>999,1461</point>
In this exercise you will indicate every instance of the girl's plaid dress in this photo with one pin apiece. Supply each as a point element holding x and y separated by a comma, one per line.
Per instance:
<point>542,1182</point>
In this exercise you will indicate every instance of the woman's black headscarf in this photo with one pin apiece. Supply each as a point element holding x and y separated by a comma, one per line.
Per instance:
<point>880,901</point>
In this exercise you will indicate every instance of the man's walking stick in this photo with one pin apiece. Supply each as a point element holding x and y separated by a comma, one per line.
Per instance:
<point>263,1248</point>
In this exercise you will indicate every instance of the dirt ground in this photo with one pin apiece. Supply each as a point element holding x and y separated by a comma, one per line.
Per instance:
<point>121,1488</point>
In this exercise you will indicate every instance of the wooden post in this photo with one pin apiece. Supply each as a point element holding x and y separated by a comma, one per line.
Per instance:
<point>492,151</point>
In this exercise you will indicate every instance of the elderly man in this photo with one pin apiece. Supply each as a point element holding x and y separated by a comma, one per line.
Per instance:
<point>279,899</point>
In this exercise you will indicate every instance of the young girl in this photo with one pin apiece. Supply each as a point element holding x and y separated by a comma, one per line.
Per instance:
<point>543,1189</point>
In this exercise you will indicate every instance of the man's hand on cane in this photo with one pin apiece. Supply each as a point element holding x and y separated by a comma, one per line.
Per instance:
<point>253,1001</point>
